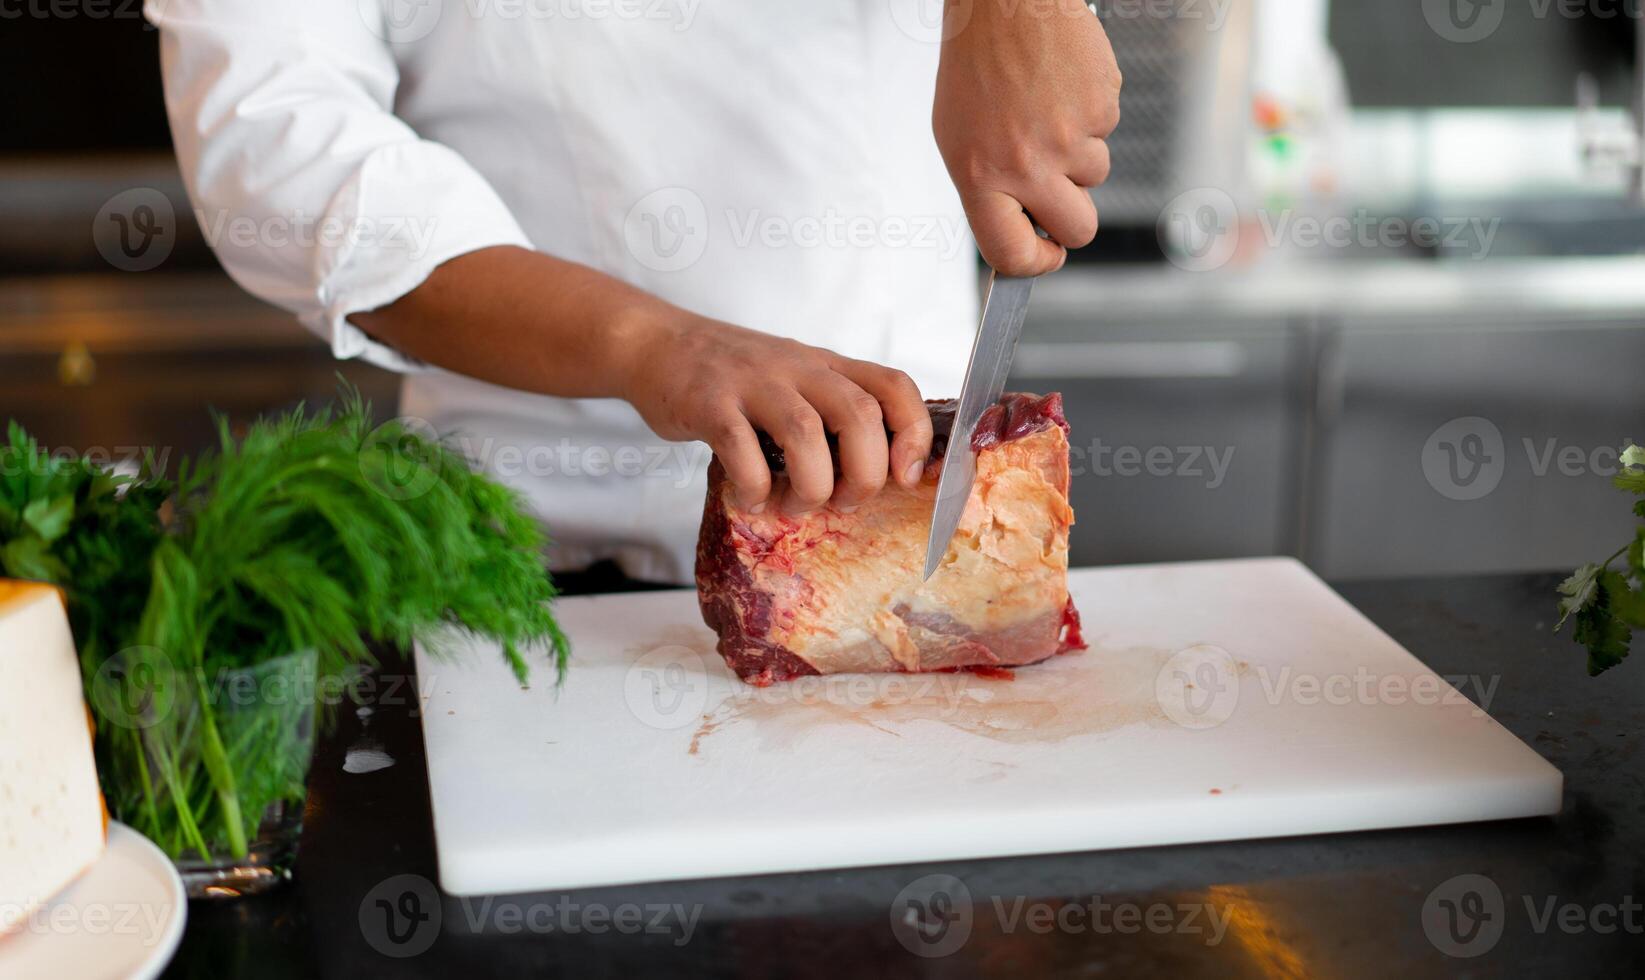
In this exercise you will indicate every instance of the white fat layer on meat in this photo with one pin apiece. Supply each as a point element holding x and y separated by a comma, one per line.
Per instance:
<point>847,593</point>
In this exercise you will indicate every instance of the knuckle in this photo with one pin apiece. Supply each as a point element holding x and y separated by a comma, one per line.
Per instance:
<point>801,422</point>
<point>904,387</point>
<point>1019,257</point>
<point>1068,133</point>
<point>1020,159</point>
<point>865,408</point>
<point>973,173</point>
<point>735,362</point>
<point>725,432</point>
<point>1107,117</point>
<point>1101,165</point>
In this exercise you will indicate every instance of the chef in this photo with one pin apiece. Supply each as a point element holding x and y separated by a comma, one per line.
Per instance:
<point>598,234</point>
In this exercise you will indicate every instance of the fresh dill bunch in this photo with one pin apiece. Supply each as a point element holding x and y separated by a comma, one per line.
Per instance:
<point>315,530</point>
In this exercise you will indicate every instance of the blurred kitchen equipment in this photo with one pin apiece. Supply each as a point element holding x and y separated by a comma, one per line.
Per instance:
<point>108,364</point>
<point>1185,105</point>
<point>1610,147</point>
<point>1293,411</point>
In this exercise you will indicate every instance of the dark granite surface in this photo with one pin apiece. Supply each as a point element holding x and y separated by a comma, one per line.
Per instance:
<point>1557,897</point>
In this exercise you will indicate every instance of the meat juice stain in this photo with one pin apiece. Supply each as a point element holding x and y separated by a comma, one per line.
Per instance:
<point>1061,699</point>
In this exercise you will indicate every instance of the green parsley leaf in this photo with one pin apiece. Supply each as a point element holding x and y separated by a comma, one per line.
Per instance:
<point>1580,591</point>
<point>1631,477</point>
<point>1608,605</point>
<point>49,517</point>
<point>1602,630</point>
<point>1625,602</point>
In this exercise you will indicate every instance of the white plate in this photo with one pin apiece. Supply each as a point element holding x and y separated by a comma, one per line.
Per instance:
<point>122,919</point>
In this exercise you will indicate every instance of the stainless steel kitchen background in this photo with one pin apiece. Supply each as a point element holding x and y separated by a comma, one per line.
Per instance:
<point>1259,354</point>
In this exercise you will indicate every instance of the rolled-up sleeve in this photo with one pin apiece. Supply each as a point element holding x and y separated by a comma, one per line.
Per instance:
<point>312,193</point>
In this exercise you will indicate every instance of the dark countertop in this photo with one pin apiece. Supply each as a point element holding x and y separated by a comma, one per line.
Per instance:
<point>1349,905</point>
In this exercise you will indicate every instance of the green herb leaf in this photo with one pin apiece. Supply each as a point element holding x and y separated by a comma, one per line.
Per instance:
<point>1625,602</point>
<point>49,517</point>
<point>1631,477</point>
<point>28,558</point>
<point>1601,629</point>
<point>1580,591</point>
<point>1609,605</point>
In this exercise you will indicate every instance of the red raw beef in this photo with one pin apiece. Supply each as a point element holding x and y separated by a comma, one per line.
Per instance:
<point>835,593</point>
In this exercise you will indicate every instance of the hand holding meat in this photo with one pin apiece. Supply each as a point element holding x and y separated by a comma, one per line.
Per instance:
<point>706,380</point>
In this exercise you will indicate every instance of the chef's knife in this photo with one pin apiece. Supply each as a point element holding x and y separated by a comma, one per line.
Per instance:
<point>1003,310</point>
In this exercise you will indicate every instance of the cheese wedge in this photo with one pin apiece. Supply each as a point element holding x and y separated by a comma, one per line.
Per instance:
<point>51,812</point>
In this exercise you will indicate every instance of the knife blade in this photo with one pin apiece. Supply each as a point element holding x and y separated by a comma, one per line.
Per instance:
<point>1004,307</point>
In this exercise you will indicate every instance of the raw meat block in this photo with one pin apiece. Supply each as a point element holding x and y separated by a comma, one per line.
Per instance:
<point>834,593</point>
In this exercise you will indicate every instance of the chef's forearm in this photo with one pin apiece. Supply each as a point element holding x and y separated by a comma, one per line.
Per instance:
<point>517,318</point>
<point>525,320</point>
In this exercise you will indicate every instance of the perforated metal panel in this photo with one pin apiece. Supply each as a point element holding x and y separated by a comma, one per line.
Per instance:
<point>1170,52</point>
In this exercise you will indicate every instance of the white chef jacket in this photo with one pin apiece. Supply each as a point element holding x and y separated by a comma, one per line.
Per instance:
<point>765,162</point>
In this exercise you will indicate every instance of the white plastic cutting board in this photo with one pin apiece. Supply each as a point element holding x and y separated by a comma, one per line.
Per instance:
<point>1218,700</point>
